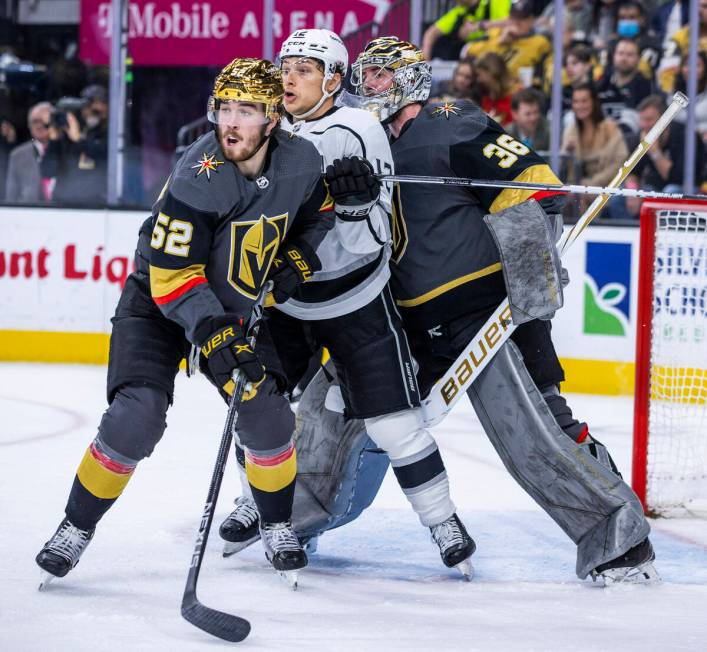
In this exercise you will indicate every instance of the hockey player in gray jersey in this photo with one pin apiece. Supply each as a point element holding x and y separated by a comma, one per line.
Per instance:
<point>346,306</point>
<point>201,260</point>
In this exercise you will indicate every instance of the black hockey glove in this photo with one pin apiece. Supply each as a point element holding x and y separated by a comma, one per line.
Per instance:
<point>354,187</point>
<point>224,350</point>
<point>292,265</point>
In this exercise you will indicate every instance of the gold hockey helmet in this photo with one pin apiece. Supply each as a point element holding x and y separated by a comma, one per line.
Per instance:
<point>401,61</point>
<point>249,80</point>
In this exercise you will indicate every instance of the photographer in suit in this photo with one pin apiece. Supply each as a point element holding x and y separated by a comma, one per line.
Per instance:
<point>78,146</point>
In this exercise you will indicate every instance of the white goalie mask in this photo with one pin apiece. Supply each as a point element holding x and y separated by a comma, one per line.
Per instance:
<point>321,45</point>
<point>390,74</point>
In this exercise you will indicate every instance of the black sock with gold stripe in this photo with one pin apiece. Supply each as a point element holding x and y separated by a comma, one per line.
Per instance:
<point>100,479</point>
<point>272,480</point>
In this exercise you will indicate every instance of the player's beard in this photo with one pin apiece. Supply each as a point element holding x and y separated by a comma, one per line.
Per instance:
<point>245,146</point>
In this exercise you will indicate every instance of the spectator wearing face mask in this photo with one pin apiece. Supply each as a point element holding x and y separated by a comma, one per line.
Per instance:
<point>78,157</point>
<point>632,23</point>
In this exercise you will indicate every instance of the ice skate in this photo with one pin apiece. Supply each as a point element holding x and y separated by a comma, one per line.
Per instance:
<point>62,552</point>
<point>240,529</point>
<point>633,567</point>
<point>283,550</point>
<point>455,545</point>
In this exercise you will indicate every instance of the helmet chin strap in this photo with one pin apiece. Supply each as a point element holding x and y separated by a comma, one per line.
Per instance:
<point>325,96</point>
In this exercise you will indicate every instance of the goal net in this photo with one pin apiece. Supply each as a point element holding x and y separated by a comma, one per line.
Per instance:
<point>670,420</point>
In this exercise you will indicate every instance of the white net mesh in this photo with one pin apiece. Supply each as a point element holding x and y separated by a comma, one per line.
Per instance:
<point>677,425</point>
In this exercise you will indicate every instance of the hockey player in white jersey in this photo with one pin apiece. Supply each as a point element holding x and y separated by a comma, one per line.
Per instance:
<point>346,305</point>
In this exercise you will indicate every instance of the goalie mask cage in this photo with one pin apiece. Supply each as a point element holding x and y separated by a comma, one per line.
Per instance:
<point>670,413</point>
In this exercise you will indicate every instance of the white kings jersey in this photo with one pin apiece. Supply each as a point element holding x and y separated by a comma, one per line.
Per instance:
<point>354,255</point>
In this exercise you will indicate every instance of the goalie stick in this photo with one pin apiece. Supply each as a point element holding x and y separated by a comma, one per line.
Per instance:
<point>225,626</point>
<point>498,327</point>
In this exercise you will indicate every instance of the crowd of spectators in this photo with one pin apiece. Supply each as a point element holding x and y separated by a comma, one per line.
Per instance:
<point>54,114</point>
<point>622,60</point>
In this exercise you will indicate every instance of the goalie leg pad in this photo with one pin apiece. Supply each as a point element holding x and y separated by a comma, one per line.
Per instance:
<point>339,469</point>
<point>591,503</point>
<point>533,280</point>
<point>416,462</point>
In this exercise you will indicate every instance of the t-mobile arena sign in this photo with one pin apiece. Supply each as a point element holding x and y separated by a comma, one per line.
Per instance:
<point>212,32</point>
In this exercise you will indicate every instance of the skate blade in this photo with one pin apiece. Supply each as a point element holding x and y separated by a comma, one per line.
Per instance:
<point>45,578</point>
<point>290,577</point>
<point>466,569</point>
<point>232,547</point>
<point>642,574</point>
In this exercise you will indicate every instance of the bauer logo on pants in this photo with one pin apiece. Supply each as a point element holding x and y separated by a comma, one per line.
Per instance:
<point>607,288</point>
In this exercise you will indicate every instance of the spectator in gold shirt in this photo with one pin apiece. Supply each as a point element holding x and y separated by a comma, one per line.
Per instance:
<point>523,49</point>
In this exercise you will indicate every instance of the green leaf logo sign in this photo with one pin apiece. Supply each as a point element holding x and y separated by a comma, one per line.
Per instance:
<point>607,284</point>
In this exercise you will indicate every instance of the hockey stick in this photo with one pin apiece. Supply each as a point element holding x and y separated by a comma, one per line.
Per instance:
<point>498,327</point>
<point>522,185</point>
<point>225,626</point>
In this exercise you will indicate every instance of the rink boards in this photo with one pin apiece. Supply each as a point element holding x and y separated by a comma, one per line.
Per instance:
<point>62,270</point>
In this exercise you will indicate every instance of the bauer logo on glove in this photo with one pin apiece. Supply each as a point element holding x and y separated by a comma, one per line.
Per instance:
<point>226,350</point>
<point>293,266</point>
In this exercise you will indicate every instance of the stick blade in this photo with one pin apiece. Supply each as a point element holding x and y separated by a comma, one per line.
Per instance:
<point>222,625</point>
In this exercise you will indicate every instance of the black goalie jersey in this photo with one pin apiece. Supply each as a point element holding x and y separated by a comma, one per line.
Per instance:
<point>451,266</point>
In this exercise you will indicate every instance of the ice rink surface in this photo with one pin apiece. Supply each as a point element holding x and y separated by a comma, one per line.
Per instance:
<point>376,584</point>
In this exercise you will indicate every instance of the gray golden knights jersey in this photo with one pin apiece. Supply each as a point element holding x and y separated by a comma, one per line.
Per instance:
<point>354,255</point>
<point>215,232</point>
<point>445,262</point>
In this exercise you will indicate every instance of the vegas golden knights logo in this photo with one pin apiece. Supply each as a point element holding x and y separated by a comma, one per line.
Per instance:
<point>398,227</point>
<point>254,244</point>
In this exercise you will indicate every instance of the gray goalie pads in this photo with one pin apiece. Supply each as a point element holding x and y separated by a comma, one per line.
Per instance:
<point>590,502</point>
<point>339,468</point>
<point>531,265</point>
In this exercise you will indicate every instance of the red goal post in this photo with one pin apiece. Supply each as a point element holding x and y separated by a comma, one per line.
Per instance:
<point>669,471</point>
